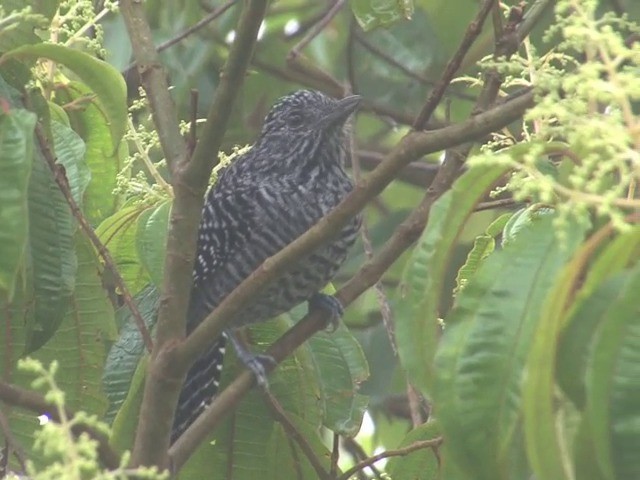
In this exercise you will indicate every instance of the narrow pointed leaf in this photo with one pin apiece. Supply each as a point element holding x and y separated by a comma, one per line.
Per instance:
<point>16,159</point>
<point>417,329</point>
<point>485,345</point>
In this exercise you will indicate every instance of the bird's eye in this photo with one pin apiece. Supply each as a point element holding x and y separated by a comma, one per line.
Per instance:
<point>295,120</point>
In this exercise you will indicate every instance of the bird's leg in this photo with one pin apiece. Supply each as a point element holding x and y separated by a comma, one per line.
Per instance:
<point>255,362</point>
<point>330,304</point>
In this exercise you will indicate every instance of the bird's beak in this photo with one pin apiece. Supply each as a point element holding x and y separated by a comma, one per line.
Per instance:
<point>340,112</point>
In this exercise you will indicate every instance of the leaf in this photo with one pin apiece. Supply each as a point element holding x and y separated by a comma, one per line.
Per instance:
<point>584,315</point>
<point>612,382</point>
<point>70,151</point>
<point>151,240</point>
<point>79,345</point>
<point>126,353</point>
<point>481,358</point>
<point>126,420</point>
<point>546,446</point>
<point>422,464</point>
<point>417,330</point>
<point>88,121</point>
<point>371,14</point>
<point>52,254</point>
<point>100,77</point>
<point>16,159</point>
<point>340,367</point>
<point>483,246</point>
<point>118,233</point>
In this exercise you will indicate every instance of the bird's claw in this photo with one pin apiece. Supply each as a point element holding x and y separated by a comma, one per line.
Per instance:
<point>330,304</point>
<point>257,364</point>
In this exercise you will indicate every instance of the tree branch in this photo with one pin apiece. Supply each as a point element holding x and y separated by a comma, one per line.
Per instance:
<point>190,178</point>
<point>435,96</point>
<point>400,452</point>
<point>153,77</point>
<point>61,180</point>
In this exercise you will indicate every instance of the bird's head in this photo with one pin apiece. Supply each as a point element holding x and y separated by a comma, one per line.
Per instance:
<point>308,113</point>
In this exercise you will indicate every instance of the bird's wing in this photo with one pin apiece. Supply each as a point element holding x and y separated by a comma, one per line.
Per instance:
<point>241,228</point>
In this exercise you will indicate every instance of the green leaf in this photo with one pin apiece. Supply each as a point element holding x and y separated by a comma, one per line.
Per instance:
<point>371,14</point>
<point>89,122</point>
<point>283,451</point>
<point>105,81</point>
<point>126,421</point>
<point>118,233</point>
<point>546,445</point>
<point>16,159</point>
<point>79,345</point>
<point>483,246</point>
<point>417,329</point>
<point>422,464</point>
<point>613,388</point>
<point>70,151</point>
<point>341,367</point>
<point>52,253</point>
<point>585,313</point>
<point>481,358</point>
<point>323,386</point>
<point>125,354</point>
<point>151,240</point>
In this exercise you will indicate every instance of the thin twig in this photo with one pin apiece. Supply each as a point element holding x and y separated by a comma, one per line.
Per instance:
<point>358,454</point>
<point>281,416</point>
<point>335,455</point>
<point>473,31</point>
<point>400,452</point>
<point>316,29</point>
<point>61,179</point>
<point>203,22</point>
<point>396,64</point>
<point>193,124</point>
<point>493,204</point>
<point>413,398</point>
<point>29,400</point>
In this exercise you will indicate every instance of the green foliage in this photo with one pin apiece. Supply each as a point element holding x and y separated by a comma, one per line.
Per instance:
<point>64,454</point>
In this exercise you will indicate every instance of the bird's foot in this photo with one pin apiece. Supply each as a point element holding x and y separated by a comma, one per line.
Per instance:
<point>330,304</point>
<point>257,363</point>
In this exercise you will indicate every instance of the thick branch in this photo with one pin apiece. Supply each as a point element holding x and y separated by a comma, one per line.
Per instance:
<point>166,371</point>
<point>154,80</point>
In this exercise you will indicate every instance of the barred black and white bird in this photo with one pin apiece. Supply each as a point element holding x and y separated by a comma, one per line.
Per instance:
<point>292,177</point>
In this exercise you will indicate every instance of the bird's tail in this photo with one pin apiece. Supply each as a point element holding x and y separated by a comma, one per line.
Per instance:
<point>200,387</point>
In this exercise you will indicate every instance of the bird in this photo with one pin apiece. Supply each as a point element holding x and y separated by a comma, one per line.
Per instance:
<point>293,175</point>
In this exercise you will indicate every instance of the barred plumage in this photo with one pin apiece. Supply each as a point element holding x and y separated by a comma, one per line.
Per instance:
<point>292,177</point>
